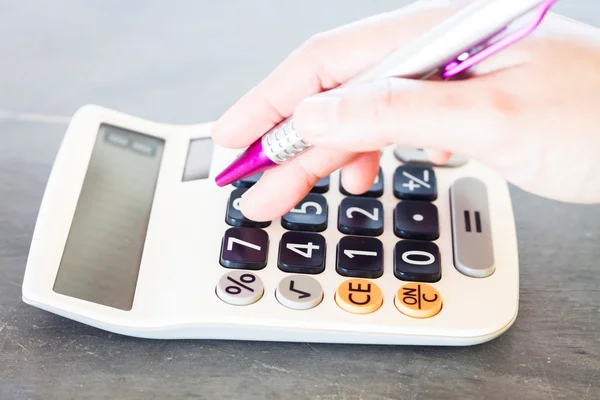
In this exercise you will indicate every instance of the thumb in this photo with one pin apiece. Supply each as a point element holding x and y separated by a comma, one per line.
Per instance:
<point>454,116</point>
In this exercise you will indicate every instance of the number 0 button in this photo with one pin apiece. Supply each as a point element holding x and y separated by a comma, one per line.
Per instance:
<point>418,300</point>
<point>240,288</point>
<point>359,296</point>
<point>418,261</point>
<point>309,215</point>
<point>360,216</point>
<point>245,248</point>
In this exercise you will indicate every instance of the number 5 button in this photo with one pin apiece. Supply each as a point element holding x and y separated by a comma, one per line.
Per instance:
<point>309,215</point>
<point>245,248</point>
<point>360,216</point>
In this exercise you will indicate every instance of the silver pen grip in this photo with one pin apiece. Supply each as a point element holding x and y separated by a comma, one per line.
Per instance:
<point>283,143</point>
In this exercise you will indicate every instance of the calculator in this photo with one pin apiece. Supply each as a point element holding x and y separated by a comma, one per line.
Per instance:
<point>134,237</point>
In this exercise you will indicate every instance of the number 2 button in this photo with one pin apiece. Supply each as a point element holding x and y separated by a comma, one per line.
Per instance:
<point>309,215</point>
<point>302,252</point>
<point>360,216</point>
<point>245,248</point>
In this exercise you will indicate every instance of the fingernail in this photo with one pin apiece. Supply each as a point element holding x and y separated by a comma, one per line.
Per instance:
<point>317,116</point>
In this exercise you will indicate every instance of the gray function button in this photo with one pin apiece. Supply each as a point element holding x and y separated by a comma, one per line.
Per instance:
<point>240,288</point>
<point>419,157</point>
<point>299,292</point>
<point>471,230</point>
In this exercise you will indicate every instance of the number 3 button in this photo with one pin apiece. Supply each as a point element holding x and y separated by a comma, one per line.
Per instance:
<point>360,216</point>
<point>309,215</point>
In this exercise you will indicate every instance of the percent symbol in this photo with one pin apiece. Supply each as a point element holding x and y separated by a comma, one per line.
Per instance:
<point>238,286</point>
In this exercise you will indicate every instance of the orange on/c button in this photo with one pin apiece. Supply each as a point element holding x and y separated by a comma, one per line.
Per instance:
<point>418,300</point>
<point>359,296</point>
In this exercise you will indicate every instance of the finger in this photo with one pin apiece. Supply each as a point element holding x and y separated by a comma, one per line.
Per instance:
<point>438,157</point>
<point>323,62</point>
<point>452,116</point>
<point>359,175</point>
<point>281,188</point>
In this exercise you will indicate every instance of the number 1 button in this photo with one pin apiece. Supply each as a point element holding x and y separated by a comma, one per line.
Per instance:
<point>360,216</point>
<point>360,257</point>
<point>308,215</point>
<point>245,248</point>
<point>302,253</point>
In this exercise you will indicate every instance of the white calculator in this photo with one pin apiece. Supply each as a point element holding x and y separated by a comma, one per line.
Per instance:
<point>134,237</point>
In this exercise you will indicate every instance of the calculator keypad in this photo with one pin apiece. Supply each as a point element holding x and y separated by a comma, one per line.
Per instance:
<point>245,248</point>
<point>302,252</point>
<point>234,216</point>
<point>360,216</point>
<point>360,257</point>
<point>376,190</point>
<point>416,260</point>
<point>322,186</point>
<point>415,182</point>
<point>309,215</point>
<point>416,220</point>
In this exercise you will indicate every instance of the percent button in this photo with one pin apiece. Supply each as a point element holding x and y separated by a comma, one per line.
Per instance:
<point>240,288</point>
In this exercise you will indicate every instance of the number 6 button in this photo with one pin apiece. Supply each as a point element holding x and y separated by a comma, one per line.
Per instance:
<point>245,248</point>
<point>360,216</point>
<point>308,215</point>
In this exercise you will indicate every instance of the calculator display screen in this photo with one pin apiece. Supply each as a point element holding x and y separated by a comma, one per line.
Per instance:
<point>102,255</point>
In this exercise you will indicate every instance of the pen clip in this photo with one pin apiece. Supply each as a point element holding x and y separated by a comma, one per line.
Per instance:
<point>468,59</point>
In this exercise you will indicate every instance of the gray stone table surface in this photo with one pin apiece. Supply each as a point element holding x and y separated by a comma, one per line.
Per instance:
<point>186,61</point>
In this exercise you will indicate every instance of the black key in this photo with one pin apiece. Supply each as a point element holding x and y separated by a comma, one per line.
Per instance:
<point>302,252</point>
<point>360,216</point>
<point>309,215</point>
<point>360,257</point>
<point>415,182</point>
<point>375,191</point>
<point>245,248</point>
<point>418,261</point>
<point>234,216</point>
<point>248,182</point>
<point>416,220</point>
<point>322,186</point>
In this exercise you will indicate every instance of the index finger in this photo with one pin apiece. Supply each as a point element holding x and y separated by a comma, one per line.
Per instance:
<point>323,62</point>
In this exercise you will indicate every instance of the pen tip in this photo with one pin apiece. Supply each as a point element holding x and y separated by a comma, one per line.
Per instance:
<point>252,161</point>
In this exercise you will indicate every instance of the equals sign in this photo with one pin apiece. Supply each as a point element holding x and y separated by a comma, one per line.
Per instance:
<point>468,221</point>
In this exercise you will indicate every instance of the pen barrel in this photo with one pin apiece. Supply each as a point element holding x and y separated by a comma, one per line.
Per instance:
<point>283,142</point>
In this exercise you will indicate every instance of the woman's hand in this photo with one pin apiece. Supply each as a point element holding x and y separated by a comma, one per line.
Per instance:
<point>532,112</point>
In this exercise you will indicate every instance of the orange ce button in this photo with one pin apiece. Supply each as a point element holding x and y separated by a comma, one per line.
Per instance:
<point>359,296</point>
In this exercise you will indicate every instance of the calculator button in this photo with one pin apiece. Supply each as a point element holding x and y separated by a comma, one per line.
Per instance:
<point>415,182</point>
<point>244,248</point>
<point>416,260</point>
<point>248,182</point>
<point>360,216</point>
<point>302,252</point>
<point>322,186</point>
<point>308,215</point>
<point>240,288</point>
<point>418,300</point>
<point>234,216</point>
<point>471,230</point>
<point>375,191</point>
<point>359,256</point>
<point>299,292</point>
<point>359,296</point>
<point>416,220</point>
<point>409,155</point>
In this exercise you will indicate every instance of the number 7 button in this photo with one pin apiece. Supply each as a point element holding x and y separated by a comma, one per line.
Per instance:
<point>245,248</point>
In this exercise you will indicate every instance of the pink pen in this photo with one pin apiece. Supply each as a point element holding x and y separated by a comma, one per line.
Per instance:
<point>457,44</point>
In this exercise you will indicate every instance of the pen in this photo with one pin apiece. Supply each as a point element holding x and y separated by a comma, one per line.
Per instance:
<point>452,47</point>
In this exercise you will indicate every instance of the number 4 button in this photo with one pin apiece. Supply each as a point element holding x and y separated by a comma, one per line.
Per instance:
<point>302,252</point>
